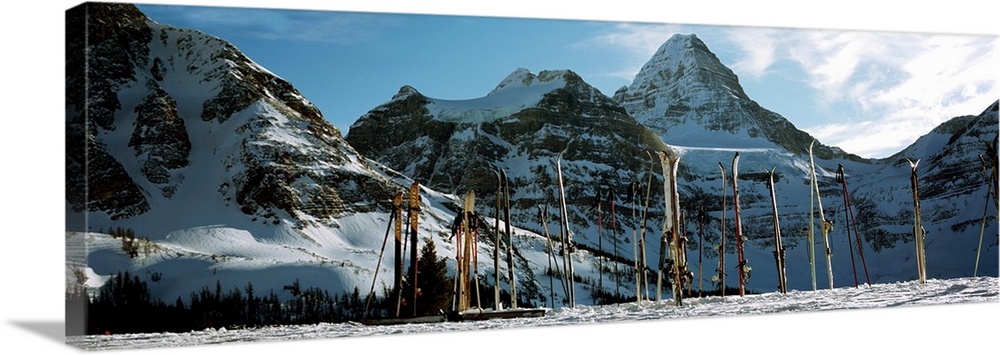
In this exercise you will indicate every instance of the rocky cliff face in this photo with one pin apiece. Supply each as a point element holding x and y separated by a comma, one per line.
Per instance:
<point>520,127</point>
<point>170,114</point>
<point>685,94</point>
<point>232,175</point>
<point>952,187</point>
<point>683,99</point>
<point>118,34</point>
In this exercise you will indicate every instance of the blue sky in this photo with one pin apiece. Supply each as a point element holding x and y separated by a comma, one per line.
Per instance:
<point>869,92</point>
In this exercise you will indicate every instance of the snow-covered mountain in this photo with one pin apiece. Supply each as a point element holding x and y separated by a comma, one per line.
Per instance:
<point>235,177</point>
<point>520,127</point>
<point>696,107</point>
<point>953,191</point>
<point>686,95</point>
<point>229,172</point>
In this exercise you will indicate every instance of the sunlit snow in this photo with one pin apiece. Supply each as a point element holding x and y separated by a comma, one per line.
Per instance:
<point>910,293</point>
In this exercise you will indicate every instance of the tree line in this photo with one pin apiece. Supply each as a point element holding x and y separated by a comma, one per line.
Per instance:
<point>124,304</point>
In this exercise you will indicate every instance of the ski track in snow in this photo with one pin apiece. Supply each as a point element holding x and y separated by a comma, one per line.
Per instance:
<point>908,293</point>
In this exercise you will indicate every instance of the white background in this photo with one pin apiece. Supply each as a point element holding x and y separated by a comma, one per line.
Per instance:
<point>32,195</point>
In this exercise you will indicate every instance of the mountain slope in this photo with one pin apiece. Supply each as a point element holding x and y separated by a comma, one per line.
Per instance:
<point>223,166</point>
<point>953,194</point>
<point>696,106</point>
<point>686,95</point>
<point>228,176</point>
<point>520,127</point>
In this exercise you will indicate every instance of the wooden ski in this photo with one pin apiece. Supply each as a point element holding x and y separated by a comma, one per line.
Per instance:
<point>779,251</point>
<point>742,268</point>
<point>986,207</point>
<point>414,215</point>
<point>614,237</point>
<point>918,228</point>
<point>826,225</point>
<point>632,197</point>
<point>567,236</point>
<point>496,243</point>
<point>510,240</point>
<point>721,272</point>
<point>672,235</point>
<point>542,213</point>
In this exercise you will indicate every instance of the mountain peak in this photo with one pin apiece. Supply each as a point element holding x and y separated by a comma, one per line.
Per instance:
<point>404,92</point>
<point>685,61</point>
<point>686,95</point>
<point>685,40</point>
<point>522,78</point>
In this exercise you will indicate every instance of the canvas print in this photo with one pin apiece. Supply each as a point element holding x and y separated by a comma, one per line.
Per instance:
<point>242,174</point>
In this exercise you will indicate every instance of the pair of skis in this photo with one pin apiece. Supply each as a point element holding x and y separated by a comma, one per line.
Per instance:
<point>672,235</point>
<point>825,225</point>
<point>638,243</point>
<point>720,272</point>
<point>396,224</point>
<point>850,222</point>
<point>567,236</point>
<point>503,204</point>
<point>918,229</point>
<point>466,233</point>
<point>779,250</point>
<point>742,267</point>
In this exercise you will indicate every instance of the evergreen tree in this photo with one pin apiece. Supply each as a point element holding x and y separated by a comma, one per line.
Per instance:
<point>434,286</point>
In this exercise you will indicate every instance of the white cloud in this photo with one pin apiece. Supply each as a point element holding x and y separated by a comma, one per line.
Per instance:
<point>758,51</point>
<point>878,91</point>
<point>638,42</point>
<point>871,93</point>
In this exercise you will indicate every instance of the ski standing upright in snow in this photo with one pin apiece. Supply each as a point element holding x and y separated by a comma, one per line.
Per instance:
<point>826,225</point>
<point>496,242</point>
<point>614,237</point>
<point>567,237</point>
<point>509,238</point>
<point>633,194</point>
<point>742,268</point>
<point>398,248</point>
<point>465,249</point>
<point>701,240</point>
<point>779,250</point>
<point>414,215</point>
<point>600,249</point>
<point>672,235</point>
<point>918,228</point>
<point>986,206</point>
<point>720,276</point>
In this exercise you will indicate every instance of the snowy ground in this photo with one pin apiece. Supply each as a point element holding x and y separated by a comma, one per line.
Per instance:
<point>910,293</point>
